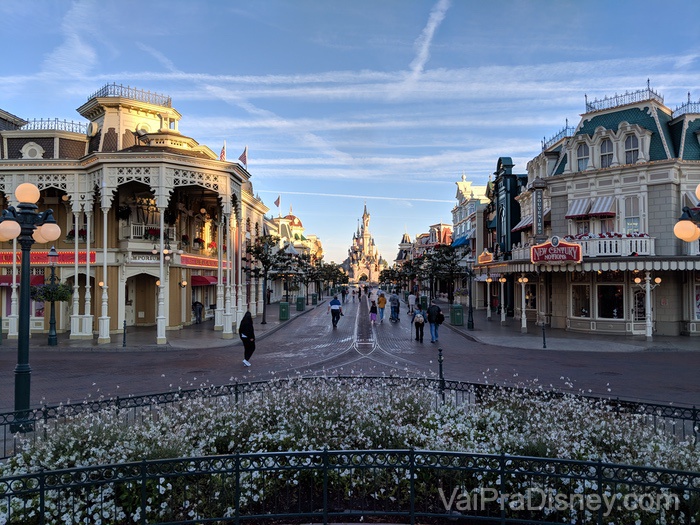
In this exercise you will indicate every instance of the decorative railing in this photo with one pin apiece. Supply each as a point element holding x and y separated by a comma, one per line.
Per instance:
<point>688,107</point>
<point>568,131</point>
<point>56,124</point>
<point>149,232</point>
<point>624,99</point>
<point>682,422</point>
<point>114,90</point>
<point>329,486</point>
<point>617,246</point>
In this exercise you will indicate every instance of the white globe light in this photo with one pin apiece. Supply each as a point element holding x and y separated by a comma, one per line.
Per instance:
<point>50,231</point>
<point>38,237</point>
<point>27,192</point>
<point>10,229</point>
<point>686,231</point>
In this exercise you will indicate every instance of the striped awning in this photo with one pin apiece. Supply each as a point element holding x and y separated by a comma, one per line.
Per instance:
<point>691,199</point>
<point>603,207</point>
<point>524,224</point>
<point>578,208</point>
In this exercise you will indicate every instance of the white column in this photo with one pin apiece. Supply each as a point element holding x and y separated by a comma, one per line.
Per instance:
<point>239,271</point>
<point>488,298</point>
<point>503,297</point>
<point>160,318</point>
<point>523,316</point>
<point>86,322</point>
<point>12,319</point>
<point>219,312</point>
<point>228,315</point>
<point>647,305</point>
<point>75,317</point>
<point>103,322</point>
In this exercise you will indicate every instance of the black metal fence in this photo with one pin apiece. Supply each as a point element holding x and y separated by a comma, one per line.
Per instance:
<point>681,422</point>
<point>401,486</point>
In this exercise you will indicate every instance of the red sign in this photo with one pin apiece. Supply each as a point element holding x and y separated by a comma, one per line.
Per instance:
<point>42,257</point>
<point>206,262</point>
<point>555,252</point>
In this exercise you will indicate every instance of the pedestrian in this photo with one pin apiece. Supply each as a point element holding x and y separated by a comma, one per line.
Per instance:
<point>353,295</point>
<point>197,308</point>
<point>381,305</point>
<point>411,302</point>
<point>395,304</point>
<point>336,310</point>
<point>418,321</point>
<point>247,335</point>
<point>434,320</point>
<point>343,293</point>
<point>373,312</point>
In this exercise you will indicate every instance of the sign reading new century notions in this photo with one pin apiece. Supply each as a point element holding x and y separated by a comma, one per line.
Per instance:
<point>555,251</point>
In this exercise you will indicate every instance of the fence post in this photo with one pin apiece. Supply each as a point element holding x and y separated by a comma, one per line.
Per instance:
<point>412,473</point>
<point>143,491</point>
<point>441,375</point>
<point>124,339</point>
<point>502,488</point>
<point>42,497</point>
<point>600,491</point>
<point>325,486</point>
<point>237,492</point>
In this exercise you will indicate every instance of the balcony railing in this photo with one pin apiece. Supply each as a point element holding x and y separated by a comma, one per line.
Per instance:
<point>114,90</point>
<point>624,99</point>
<point>55,124</point>
<point>148,232</point>
<point>606,247</point>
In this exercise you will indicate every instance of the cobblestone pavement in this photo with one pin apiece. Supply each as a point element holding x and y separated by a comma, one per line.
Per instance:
<point>663,370</point>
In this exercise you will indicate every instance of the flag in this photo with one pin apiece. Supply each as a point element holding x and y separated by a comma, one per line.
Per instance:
<point>244,156</point>
<point>277,202</point>
<point>222,155</point>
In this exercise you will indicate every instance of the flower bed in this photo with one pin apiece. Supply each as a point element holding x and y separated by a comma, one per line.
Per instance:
<point>323,413</point>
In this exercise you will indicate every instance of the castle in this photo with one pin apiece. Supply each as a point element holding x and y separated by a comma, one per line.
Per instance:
<point>364,262</point>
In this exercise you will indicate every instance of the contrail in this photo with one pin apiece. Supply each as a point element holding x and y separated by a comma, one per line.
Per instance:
<point>367,197</point>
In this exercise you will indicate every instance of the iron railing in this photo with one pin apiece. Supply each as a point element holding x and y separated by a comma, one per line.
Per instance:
<point>353,485</point>
<point>681,422</point>
<point>567,131</point>
<point>114,90</point>
<point>55,124</point>
<point>689,107</point>
<point>629,97</point>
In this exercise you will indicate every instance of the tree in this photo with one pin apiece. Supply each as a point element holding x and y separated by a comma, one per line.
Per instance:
<point>442,262</point>
<point>264,252</point>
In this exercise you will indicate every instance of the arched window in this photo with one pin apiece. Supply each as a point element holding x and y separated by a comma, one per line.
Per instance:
<point>582,156</point>
<point>606,153</point>
<point>631,149</point>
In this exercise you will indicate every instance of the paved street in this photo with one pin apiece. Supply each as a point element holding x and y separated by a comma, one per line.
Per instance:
<point>664,370</point>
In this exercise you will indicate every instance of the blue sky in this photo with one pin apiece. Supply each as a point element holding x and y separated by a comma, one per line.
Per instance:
<point>340,103</point>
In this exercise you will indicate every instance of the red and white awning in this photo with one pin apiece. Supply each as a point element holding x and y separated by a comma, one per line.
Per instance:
<point>603,207</point>
<point>524,224</point>
<point>203,280</point>
<point>578,208</point>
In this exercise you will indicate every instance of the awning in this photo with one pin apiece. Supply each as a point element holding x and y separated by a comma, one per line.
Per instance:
<point>524,224</point>
<point>547,214</point>
<point>203,280</point>
<point>492,223</point>
<point>603,207</point>
<point>578,208</point>
<point>459,242</point>
<point>691,199</point>
<point>34,280</point>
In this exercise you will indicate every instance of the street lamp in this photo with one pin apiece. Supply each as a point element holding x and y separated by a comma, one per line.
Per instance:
<point>470,311</point>
<point>503,280</point>
<point>648,287</point>
<point>22,223</point>
<point>488,297</point>
<point>53,257</point>
<point>523,317</point>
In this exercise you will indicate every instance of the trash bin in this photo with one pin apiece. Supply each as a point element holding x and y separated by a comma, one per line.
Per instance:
<point>284,311</point>
<point>423,302</point>
<point>457,315</point>
<point>314,299</point>
<point>301,303</point>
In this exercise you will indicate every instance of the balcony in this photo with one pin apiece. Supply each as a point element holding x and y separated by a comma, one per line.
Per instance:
<point>148,232</point>
<point>607,247</point>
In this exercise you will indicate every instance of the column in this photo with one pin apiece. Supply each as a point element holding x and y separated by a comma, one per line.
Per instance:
<point>86,320</point>
<point>103,322</point>
<point>219,312</point>
<point>160,318</point>
<point>647,305</point>
<point>523,315</point>
<point>228,314</point>
<point>75,316</point>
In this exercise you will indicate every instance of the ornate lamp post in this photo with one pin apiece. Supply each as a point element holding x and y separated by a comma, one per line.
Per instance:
<point>488,297</point>
<point>523,318</point>
<point>53,257</point>
<point>470,311</point>
<point>503,280</point>
<point>26,225</point>
<point>648,287</point>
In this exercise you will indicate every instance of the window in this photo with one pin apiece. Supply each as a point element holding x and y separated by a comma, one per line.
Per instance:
<point>606,153</point>
<point>580,300</point>
<point>631,149</point>
<point>611,301</point>
<point>582,227</point>
<point>531,296</point>
<point>697,302</point>
<point>582,156</point>
<point>632,214</point>
<point>607,225</point>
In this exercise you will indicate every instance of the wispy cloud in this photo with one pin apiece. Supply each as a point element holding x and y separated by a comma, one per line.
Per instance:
<point>73,58</point>
<point>362,197</point>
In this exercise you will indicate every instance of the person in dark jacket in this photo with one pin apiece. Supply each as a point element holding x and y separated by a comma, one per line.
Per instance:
<point>433,311</point>
<point>247,335</point>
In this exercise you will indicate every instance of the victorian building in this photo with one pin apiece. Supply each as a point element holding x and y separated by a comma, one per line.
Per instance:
<point>364,262</point>
<point>612,187</point>
<point>152,221</point>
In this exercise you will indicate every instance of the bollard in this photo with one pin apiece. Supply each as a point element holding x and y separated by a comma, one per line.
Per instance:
<point>124,340</point>
<point>544,338</point>
<point>441,375</point>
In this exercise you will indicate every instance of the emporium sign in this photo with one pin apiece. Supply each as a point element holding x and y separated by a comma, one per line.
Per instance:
<point>555,252</point>
<point>42,257</point>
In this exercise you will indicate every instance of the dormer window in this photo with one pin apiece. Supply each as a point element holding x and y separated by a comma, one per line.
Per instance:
<point>582,154</point>
<point>606,153</point>
<point>32,150</point>
<point>631,149</point>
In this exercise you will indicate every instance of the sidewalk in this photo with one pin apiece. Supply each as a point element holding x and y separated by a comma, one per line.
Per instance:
<point>485,331</point>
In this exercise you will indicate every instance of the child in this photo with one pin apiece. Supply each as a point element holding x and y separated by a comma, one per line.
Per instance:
<point>373,312</point>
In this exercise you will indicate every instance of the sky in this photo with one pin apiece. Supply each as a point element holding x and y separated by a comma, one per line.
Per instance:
<point>345,103</point>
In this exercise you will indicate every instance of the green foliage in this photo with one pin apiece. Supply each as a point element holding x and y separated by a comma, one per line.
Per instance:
<point>51,292</point>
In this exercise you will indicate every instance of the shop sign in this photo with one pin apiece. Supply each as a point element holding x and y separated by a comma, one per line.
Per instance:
<point>42,257</point>
<point>205,262</point>
<point>485,257</point>
<point>555,251</point>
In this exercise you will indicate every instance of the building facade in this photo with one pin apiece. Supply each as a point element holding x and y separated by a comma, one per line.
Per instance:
<point>152,221</point>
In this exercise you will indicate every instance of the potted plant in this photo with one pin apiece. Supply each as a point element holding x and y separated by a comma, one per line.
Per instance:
<point>197,242</point>
<point>51,292</point>
<point>124,212</point>
<point>70,236</point>
<point>185,240</point>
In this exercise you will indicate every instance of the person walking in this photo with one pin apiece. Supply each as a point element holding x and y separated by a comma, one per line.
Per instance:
<point>336,310</point>
<point>411,302</point>
<point>395,304</point>
<point>343,294</point>
<point>197,307</point>
<point>418,321</point>
<point>373,312</point>
<point>434,316</point>
<point>247,335</point>
<point>381,305</point>
<point>353,295</point>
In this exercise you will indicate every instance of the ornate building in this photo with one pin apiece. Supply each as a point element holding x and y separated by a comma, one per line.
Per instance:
<point>364,262</point>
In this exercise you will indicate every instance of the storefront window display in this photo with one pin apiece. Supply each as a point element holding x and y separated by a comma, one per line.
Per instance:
<point>611,301</point>
<point>696,296</point>
<point>580,300</point>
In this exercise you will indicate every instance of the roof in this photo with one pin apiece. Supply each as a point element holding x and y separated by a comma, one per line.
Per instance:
<point>174,151</point>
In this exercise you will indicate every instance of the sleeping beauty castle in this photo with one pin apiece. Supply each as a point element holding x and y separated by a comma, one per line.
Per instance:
<point>364,262</point>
